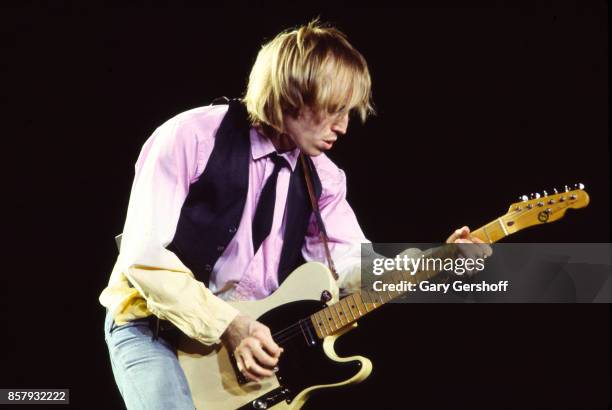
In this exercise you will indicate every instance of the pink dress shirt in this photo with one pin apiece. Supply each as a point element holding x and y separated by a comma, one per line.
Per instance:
<point>171,160</point>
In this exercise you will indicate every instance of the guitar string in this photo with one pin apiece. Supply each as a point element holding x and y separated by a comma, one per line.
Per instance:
<point>516,212</point>
<point>294,330</point>
<point>287,336</point>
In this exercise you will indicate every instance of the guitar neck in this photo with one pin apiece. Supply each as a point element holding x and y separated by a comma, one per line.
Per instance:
<point>519,216</point>
<point>353,307</point>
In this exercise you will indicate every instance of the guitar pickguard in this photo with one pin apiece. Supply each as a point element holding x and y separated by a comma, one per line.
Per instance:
<point>303,363</point>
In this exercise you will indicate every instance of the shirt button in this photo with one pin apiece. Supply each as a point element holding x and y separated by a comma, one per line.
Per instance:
<point>220,248</point>
<point>207,268</point>
<point>233,229</point>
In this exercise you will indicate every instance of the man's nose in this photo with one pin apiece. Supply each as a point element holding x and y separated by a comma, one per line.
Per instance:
<point>341,124</point>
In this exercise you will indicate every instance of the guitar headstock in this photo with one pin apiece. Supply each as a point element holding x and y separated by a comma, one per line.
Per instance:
<point>539,209</point>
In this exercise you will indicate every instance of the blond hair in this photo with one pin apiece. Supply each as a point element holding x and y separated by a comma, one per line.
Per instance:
<point>313,66</point>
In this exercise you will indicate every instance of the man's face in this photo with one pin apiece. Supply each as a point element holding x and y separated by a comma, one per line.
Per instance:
<point>313,132</point>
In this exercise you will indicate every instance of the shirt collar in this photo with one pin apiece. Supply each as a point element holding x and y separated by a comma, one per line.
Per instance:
<point>262,147</point>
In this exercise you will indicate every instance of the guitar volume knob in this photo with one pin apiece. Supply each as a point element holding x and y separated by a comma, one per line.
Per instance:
<point>259,404</point>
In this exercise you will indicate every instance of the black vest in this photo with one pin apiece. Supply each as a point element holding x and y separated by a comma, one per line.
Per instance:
<point>213,208</point>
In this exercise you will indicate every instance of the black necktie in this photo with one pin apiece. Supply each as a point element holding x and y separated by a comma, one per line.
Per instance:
<point>262,222</point>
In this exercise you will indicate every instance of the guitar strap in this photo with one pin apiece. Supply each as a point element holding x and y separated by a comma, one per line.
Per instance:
<point>319,219</point>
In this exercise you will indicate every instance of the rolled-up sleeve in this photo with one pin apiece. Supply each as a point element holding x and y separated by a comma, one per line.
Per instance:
<point>169,162</point>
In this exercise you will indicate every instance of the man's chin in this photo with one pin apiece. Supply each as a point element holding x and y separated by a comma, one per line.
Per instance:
<point>312,152</point>
<point>316,153</point>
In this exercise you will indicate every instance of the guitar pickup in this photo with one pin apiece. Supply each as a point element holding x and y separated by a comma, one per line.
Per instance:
<point>239,376</point>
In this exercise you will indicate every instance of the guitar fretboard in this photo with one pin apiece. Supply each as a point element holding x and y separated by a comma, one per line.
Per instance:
<point>351,308</point>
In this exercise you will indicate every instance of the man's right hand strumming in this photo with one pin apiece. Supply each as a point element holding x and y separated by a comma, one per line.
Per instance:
<point>255,351</point>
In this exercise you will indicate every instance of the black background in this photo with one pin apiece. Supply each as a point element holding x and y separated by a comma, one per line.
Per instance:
<point>476,106</point>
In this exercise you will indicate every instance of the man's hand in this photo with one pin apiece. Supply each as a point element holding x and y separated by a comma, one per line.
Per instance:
<point>475,248</point>
<point>255,351</point>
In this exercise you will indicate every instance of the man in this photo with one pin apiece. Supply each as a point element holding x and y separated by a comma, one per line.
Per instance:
<point>219,210</point>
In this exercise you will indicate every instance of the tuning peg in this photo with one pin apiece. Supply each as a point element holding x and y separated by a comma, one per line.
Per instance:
<point>524,198</point>
<point>579,185</point>
<point>555,190</point>
<point>545,193</point>
<point>567,188</point>
<point>537,195</point>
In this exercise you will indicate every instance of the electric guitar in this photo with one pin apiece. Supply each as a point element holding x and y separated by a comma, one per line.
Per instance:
<point>306,317</point>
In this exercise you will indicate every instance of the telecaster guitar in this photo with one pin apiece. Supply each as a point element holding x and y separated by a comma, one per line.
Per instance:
<point>307,328</point>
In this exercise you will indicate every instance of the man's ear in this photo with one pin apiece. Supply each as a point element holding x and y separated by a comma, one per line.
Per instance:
<point>267,130</point>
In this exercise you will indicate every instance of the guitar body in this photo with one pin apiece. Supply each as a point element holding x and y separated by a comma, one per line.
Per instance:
<point>306,365</point>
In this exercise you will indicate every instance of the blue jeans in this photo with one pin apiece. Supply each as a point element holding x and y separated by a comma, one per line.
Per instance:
<point>146,371</point>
